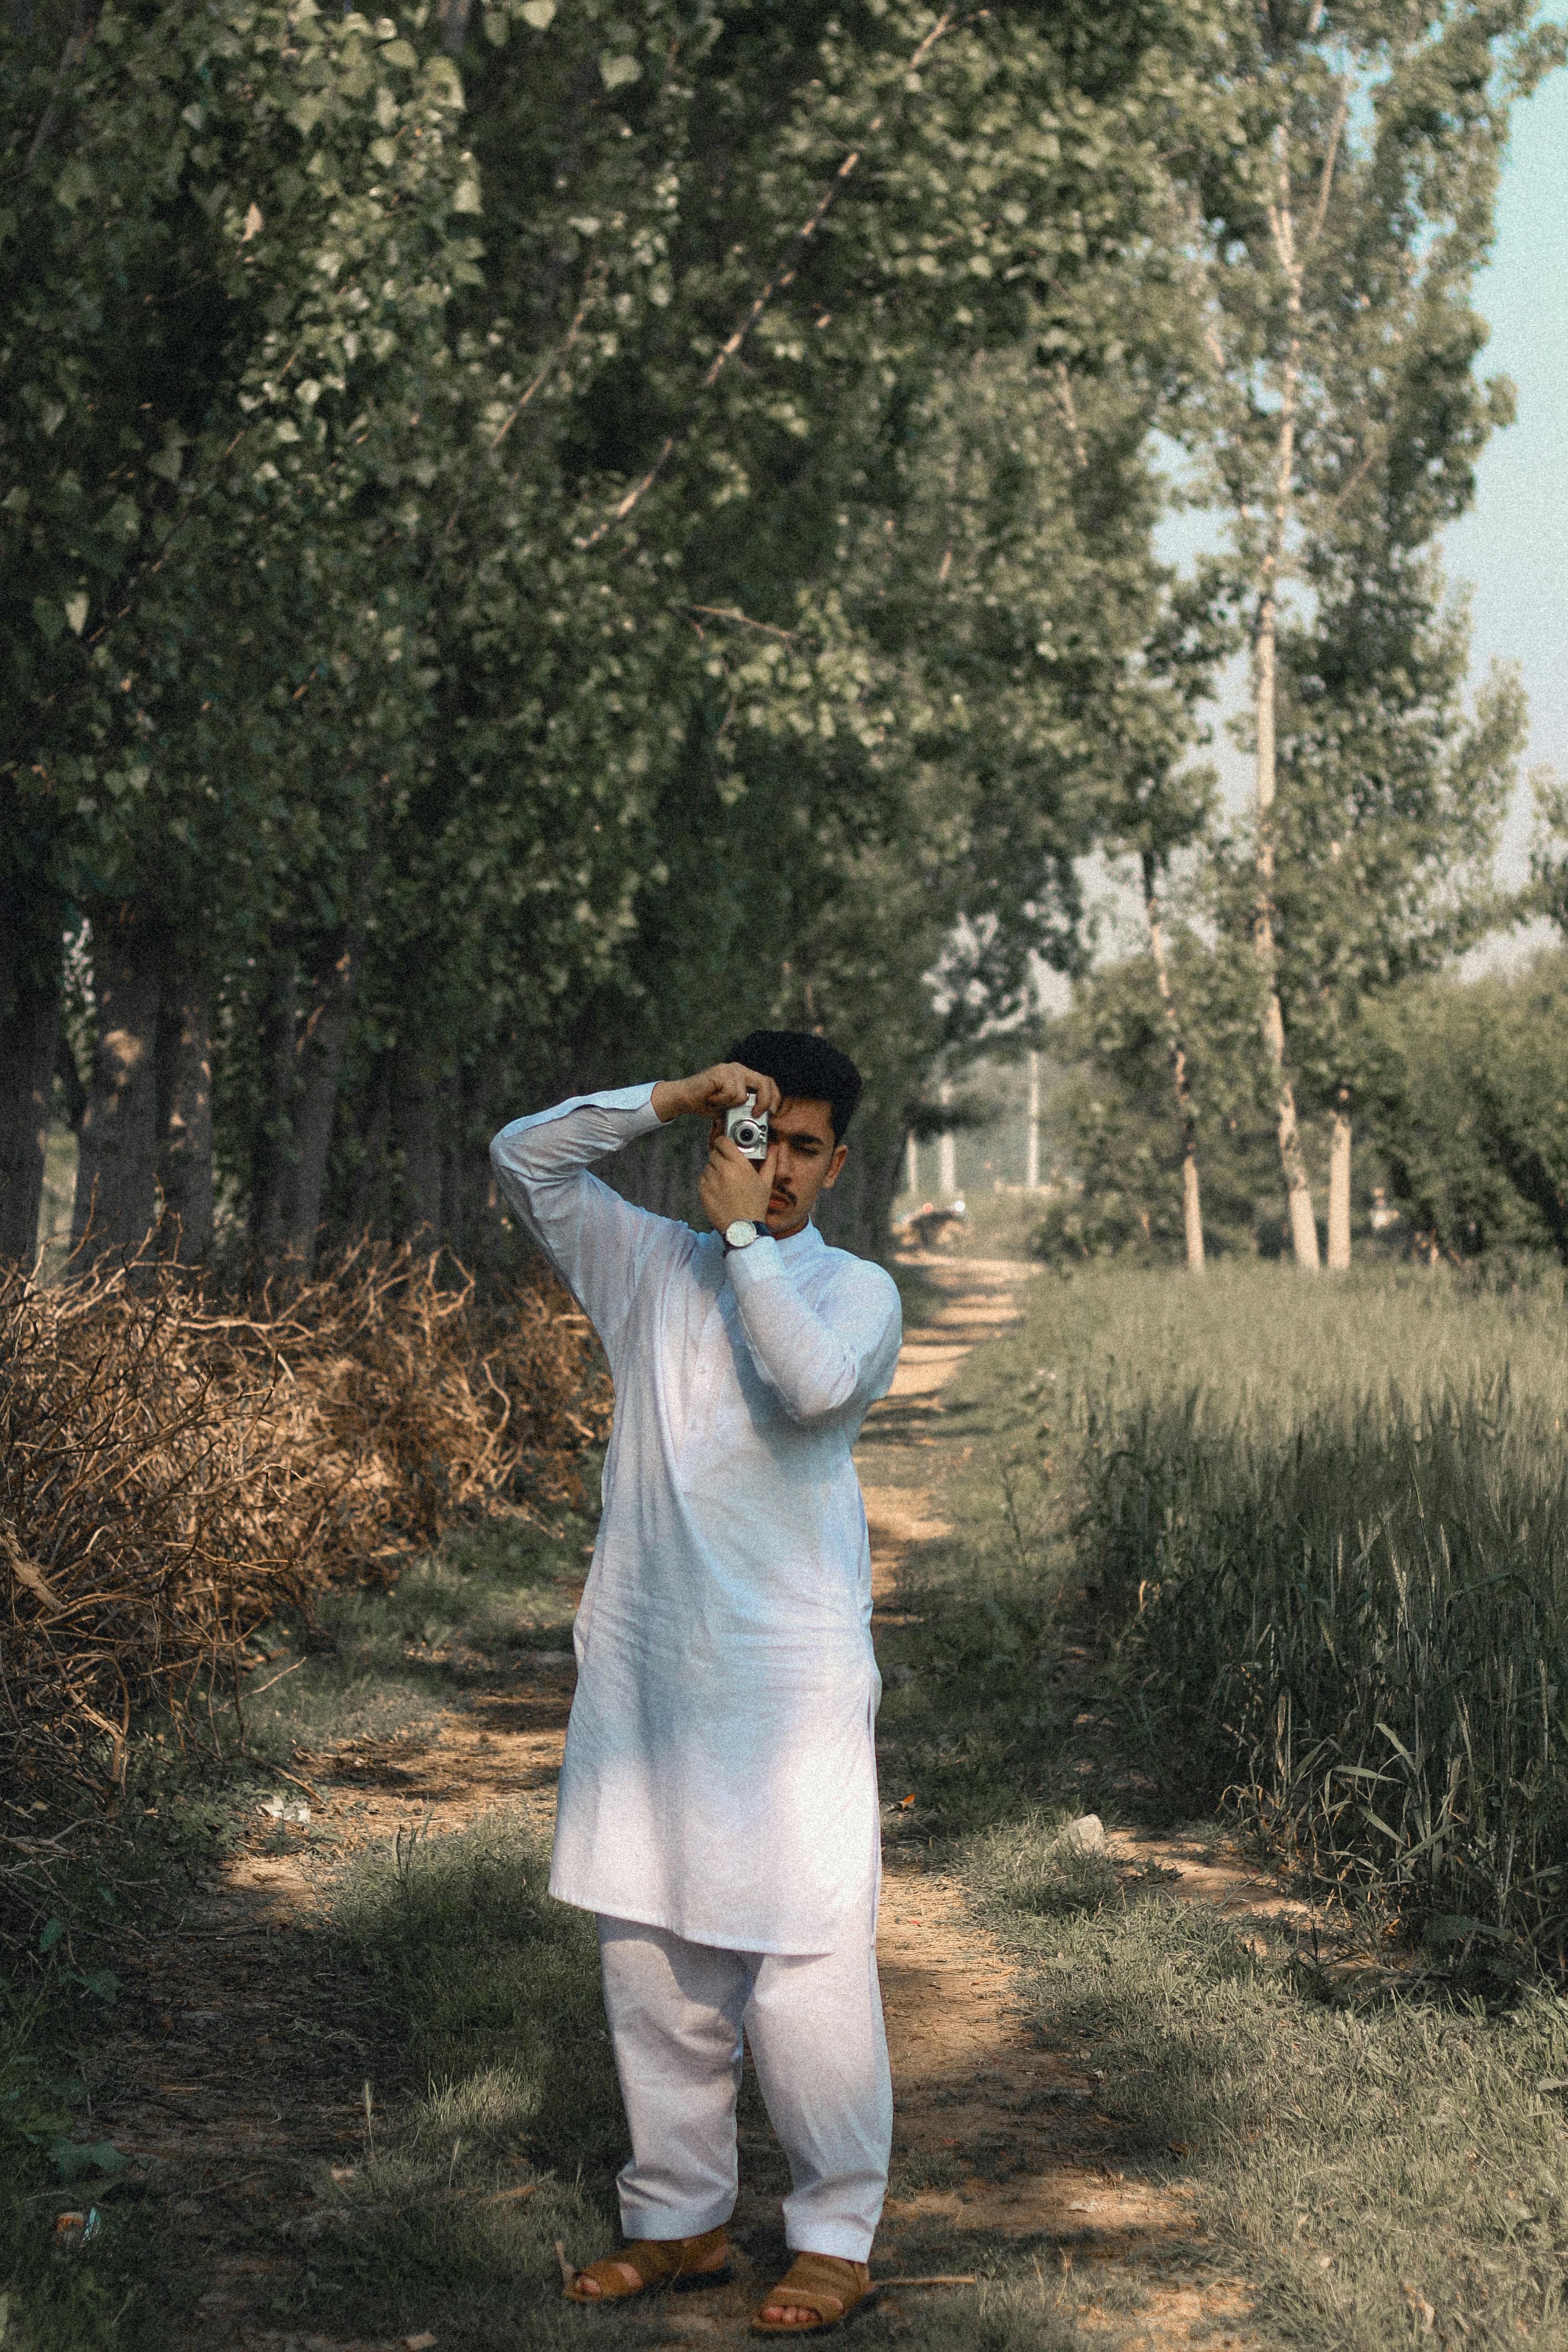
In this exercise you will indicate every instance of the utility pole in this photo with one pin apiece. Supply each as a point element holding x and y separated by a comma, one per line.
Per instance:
<point>1031,1132</point>
<point>947,1155</point>
<point>912,1166</point>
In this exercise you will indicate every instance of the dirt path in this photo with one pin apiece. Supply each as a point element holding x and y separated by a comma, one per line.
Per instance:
<point>253,2092</point>
<point>1027,2155</point>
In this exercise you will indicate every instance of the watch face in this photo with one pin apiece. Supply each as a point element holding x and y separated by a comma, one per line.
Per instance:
<point>739,1232</point>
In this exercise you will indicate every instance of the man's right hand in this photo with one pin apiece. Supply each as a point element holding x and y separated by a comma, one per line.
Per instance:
<point>712,1092</point>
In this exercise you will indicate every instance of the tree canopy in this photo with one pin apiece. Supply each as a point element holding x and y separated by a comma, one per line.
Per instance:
<point>530,543</point>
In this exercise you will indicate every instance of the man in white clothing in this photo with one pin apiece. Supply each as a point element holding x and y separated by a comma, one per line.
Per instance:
<point>718,1807</point>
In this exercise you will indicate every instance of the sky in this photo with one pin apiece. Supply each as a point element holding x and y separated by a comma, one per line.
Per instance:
<point>1511,548</point>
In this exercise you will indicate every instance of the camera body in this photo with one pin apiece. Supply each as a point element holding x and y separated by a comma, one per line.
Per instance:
<point>747,1129</point>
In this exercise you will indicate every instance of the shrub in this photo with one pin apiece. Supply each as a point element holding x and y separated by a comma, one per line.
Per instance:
<point>172,1473</point>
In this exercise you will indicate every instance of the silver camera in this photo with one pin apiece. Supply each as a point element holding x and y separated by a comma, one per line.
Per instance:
<point>747,1129</point>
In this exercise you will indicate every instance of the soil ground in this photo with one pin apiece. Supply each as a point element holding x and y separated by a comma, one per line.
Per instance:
<point>240,2073</point>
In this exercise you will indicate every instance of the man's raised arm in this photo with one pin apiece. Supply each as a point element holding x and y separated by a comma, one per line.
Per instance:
<point>823,1367</point>
<point>597,1242</point>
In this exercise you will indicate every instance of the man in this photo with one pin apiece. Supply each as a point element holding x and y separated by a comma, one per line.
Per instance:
<point>718,1806</point>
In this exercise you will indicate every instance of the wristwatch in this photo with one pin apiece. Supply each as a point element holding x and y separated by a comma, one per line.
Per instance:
<point>739,1233</point>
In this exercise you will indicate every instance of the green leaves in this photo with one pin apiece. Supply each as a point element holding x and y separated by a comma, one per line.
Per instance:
<point>685,519</point>
<point>79,2159</point>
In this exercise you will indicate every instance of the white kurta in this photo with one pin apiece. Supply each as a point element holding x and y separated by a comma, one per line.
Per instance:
<point>720,1779</point>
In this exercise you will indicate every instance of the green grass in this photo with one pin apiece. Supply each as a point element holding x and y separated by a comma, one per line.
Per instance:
<point>1316,1538</point>
<point>1368,2142</point>
<point>1363,2144</point>
<point>379,1666</point>
<point>492,1991</point>
<point>1358,2157</point>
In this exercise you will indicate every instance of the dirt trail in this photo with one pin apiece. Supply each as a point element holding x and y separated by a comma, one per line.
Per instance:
<point>996,2141</point>
<point>1030,2156</point>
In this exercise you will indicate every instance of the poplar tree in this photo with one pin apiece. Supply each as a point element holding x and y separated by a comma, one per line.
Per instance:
<point>469,529</point>
<point>1334,422</point>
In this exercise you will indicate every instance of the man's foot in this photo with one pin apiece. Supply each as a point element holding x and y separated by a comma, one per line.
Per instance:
<point>649,2262</point>
<point>818,2293</point>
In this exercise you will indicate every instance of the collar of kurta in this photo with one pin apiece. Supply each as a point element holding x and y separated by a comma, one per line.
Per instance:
<point>807,1242</point>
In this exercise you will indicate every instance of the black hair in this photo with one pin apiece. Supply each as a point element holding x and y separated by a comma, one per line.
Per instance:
<point>804,1069</point>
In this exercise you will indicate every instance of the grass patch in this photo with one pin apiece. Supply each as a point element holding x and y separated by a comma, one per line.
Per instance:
<point>1382,2157</point>
<point>1379,2167</point>
<point>449,2218</point>
<point>66,2306</point>
<point>1309,1540</point>
<point>375,1665</point>
<point>454,1927</point>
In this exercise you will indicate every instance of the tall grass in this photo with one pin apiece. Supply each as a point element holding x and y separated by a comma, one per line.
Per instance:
<point>1324,1526</point>
<point>1332,1527</point>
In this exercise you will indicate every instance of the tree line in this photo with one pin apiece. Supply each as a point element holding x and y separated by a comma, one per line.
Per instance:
<point>1460,1110</point>
<point>533,537</point>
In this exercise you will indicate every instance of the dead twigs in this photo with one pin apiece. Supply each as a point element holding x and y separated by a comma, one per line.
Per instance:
<point>172,1474</point>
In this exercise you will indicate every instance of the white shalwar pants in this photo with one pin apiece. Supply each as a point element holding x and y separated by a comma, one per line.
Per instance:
<point>676,2013</point>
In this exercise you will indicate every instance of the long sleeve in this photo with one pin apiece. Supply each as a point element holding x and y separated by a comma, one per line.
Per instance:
<point>827,1365</point>
<point>598,1243</point>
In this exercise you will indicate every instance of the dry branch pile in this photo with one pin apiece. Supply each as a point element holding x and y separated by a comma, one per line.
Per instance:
<point>172,1474</point>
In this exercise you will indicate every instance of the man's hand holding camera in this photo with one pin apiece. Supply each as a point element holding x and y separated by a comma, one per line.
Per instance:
<point>770,1154</point>
<point>712,1092</point>
<point>733,1187</point>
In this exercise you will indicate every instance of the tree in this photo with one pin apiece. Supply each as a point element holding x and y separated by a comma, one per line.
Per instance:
<point>197,387</point>
<point>455,534</point>
<point>1109,1112</point>
<point>1470,1108</point>
<point>1336,420</point>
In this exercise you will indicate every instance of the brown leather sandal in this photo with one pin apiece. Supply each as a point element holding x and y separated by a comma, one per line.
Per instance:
<point>658,2262</point>
<point>823,2284</point>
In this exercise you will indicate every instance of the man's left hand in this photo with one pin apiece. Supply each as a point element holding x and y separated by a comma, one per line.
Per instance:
<point>733,1186</point>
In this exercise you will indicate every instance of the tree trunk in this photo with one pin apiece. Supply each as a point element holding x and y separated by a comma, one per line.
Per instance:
<point>318,1070</point>
<point>1339,1186</point>
<point>1298,1192</point>
<point>947,1155</point>
<point>68,1079</point>
<point>1191,1197</point>
<point>116,1202</point>
<point>185,1063</point>
<point>1032,1131</point>
<point>29,1034</point>
<point>1303,1225</point>
<point>454,1165</point>
<point>367,1194</point>
<point>416,1125</point>
<point>272,1146</point>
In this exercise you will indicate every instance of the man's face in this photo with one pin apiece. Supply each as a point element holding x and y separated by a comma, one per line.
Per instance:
<point>807,1161</point>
